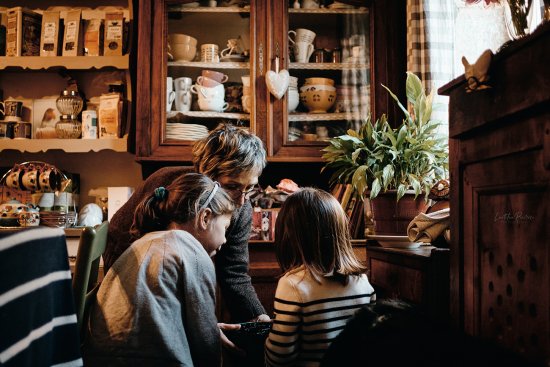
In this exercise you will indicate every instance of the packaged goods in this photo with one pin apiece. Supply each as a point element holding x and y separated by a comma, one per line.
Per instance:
<point>109,116</point>
<point>93,37</point>
<point>114,30</point>
<point>23,32</point>
<point>50,35</point>
<point>72,37</point>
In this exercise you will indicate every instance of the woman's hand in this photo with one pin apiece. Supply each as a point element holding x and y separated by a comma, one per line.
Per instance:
<point>262,318</point>
<point>228,344</point>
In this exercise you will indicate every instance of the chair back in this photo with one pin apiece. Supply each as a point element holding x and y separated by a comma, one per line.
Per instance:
<point>90,248</point>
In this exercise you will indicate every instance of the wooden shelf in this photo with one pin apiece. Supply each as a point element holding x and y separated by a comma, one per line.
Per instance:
<point>67,62</point>
<point>348,116</point>
<point>67,145</point>
<point>199,9</point>
<point>327,66</point>
<point>211,65</point>
<point>329,11</point>
<point>212,114</point>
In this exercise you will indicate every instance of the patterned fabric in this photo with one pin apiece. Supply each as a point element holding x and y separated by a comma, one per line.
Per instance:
<point>37,315</point>
<point>309,315</point>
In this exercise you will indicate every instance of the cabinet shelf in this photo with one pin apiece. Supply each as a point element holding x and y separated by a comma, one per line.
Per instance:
<point>341,116</point>
<point>68,62</point>
<point>67,145</point>
<point>211,65</point>
<point>199,9</point>
<point>329,11</point>
<point>211,114</point>
<point>327,66</point>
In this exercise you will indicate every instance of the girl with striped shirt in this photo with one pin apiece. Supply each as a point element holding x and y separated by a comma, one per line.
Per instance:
<point>324,283</point>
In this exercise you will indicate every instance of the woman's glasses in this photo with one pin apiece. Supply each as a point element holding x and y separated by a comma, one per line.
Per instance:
<point>236,193</point>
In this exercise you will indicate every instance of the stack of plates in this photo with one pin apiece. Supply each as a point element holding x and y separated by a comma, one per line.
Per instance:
<point>185,131</point>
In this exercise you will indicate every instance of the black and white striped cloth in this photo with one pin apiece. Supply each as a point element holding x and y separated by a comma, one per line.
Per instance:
<point>310,314</point>
<point>38,325</point>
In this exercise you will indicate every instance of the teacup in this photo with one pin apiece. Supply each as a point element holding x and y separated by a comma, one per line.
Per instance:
<point>215,75</point>
<point>207,82</point>
<point>29,217</point>
<point>12,110</point>
<point>215,104</point>
<point>50,179</point>
<point>206,92</point>
<point>31,179</point>
<point>232,48</point>
<point>14,179</point>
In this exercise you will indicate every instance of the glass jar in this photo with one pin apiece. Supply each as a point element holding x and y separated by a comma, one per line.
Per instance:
<point>69,103</point>
<point>68,127</point>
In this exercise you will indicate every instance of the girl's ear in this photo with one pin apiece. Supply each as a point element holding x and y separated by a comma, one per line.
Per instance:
<point>205,217</point>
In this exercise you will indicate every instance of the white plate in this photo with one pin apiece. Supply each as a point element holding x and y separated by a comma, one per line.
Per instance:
<point>394,241</point>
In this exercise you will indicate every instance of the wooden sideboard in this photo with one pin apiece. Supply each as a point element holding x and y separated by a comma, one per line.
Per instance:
<point>500,195</point>
<point>420,276</point>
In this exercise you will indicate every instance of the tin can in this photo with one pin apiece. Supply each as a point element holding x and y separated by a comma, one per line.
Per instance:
<point>89,124</point>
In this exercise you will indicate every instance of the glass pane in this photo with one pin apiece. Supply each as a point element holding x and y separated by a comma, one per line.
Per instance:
<point>208,59</point>
<point>330,61</point>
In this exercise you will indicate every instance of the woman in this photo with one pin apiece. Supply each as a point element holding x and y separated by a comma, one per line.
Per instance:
<point>235,158</point>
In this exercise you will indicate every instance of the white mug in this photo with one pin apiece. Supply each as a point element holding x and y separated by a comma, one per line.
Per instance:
<point>302,51</point>
<point>183,100</point>
<point>183,83</point>
<point>205,92</point>
<point>209,53</point>
<point>301,35</point>
<point>215,104</point>
<point>170,94</point>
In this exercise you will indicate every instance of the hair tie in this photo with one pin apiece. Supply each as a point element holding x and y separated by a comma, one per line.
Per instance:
<point>211,195</point>
<point>160,193</point>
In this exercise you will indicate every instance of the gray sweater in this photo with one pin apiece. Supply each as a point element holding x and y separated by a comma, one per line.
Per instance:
<point>157,306</point>
<point>231,262</point>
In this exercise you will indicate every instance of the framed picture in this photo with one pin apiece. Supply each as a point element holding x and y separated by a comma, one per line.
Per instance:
<point>45,113</point>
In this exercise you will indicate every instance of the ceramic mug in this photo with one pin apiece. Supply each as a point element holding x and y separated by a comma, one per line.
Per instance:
<point>14,179</point>
<point>183,100</point>
<point>215,104</point>
<point>29,218</point>
<point>50,179</point>
<point>301,35</point>
<point>31,179</point>
<point>232,48</point>
<point>206,92</point>
<point>302,51</point>
<point>12,110</point>
<point>170,94</point>
<point>209,52</point>
<point>183,84</point>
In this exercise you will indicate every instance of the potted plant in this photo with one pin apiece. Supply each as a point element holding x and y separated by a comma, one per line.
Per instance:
<point>392,162</point>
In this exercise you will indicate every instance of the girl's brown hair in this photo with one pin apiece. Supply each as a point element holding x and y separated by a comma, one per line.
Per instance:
<point>179,203</point>
<point>312,231</point>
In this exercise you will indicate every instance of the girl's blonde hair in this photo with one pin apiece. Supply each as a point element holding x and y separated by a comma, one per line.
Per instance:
<point>312,230</point>
<point>179,202</point>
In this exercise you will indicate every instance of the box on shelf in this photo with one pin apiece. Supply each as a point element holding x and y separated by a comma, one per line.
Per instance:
<point>263,224</point>
<point>23,32</point>
<point>50,39</point>
<point>114,30</point>
<point>93,37</point>
<point>109,116</point>
<point>72,35</point>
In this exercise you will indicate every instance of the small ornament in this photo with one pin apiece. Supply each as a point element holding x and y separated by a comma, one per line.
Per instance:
<point>476,74</point>
<point>277,81</point>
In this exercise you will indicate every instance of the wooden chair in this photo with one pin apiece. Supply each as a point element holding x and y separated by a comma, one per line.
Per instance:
<point>90,248</point>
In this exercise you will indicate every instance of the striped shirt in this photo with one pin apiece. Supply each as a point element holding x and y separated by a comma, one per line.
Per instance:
<point>37,315</point>
<point>309,315</point>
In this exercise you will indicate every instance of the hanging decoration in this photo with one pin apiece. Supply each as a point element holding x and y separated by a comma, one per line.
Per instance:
<point>277,81</point>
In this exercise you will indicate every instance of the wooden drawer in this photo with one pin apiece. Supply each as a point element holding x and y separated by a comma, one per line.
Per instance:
<point>397,281</point>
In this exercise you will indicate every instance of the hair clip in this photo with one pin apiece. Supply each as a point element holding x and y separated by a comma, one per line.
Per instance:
<point>211,195</point>
<point>160,193</point>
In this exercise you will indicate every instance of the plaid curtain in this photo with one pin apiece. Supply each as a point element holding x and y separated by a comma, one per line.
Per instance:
<point>430,38</point>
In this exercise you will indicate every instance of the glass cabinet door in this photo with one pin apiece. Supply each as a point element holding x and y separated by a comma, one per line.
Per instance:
<point>208,69</point>
<point>329,64</point>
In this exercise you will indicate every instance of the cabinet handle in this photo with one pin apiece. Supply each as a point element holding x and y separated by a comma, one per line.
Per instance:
<point>261,58</point>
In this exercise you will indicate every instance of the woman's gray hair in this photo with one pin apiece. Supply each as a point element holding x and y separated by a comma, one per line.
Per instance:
<point>229,151</point>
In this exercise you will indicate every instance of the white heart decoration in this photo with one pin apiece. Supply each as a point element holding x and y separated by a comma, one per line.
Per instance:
<point>277,83</point>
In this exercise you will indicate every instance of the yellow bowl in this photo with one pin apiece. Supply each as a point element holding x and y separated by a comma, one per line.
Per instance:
<point>318,80</point>
<point>318,101</point>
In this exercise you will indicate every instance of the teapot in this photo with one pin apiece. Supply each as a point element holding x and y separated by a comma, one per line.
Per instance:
<point>29,216</point>
<point>10,211</point>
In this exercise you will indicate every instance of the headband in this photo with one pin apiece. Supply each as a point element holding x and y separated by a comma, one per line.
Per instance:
<point>210,196</point>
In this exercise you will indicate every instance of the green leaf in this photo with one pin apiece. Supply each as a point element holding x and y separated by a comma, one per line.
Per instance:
<point>387,175</point>
<point>375,189</point>
<point>405,111</point>
<point>401,191</point>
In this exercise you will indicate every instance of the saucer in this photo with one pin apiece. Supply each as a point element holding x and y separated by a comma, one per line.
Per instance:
<point>394,241</point>
<point>232,58</point>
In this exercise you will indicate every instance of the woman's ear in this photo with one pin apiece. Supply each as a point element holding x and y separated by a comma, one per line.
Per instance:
<point>205,217</point>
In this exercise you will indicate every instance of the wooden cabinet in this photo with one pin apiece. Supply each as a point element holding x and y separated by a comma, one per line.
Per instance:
<point>31,78</point>
<point>288,137</point>
<point>500,195</point>
<point>420,276</point>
